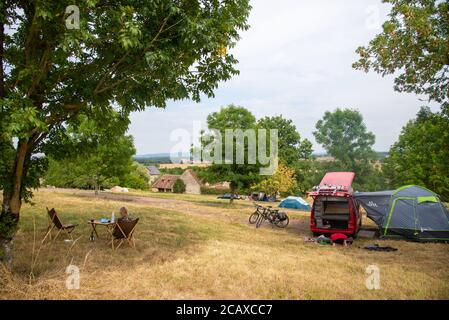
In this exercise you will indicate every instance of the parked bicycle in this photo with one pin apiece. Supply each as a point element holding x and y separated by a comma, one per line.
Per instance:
<point>279,219</point>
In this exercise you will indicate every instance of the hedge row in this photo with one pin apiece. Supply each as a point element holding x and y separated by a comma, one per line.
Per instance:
<point>206,190</point>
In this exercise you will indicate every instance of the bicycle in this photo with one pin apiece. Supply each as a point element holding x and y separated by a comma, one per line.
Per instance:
<point>279,219</point>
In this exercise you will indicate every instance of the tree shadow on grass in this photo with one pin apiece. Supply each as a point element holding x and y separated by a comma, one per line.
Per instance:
<point>160,236</point>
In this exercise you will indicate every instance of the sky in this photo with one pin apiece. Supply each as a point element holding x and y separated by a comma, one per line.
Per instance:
<point>296,61</point>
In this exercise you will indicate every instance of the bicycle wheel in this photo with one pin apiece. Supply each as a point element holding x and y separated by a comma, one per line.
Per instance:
<point>253,217</point>
<point>283,223</point>
<point>272,217</point>
<point>259,221</point>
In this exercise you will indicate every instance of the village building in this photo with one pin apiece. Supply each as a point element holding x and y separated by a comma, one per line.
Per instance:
<point>165,183</point>
<point>153,173</point>
<point>191,180</point>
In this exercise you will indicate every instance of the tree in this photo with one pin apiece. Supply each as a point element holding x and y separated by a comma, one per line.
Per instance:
<point>293,152</point>
<point>421,154</point>
<point>282,181</point>
<point>291,147</point>
<point>343,135</point>
<point>108,165</point>
<point>240,176</point>
<point>137,178</point>
<point>179,186</point>
<point>414,44</point>
<point>125,55</point>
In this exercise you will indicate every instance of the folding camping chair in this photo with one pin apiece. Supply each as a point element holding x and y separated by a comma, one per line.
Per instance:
<point>124,231</point>
<point>55,222</point>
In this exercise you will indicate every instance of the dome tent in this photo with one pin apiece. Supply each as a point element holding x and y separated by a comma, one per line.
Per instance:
<point>294,203</point>
<point>410,212</point>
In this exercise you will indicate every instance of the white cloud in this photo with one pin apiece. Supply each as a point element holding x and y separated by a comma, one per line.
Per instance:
<point>296,61</point>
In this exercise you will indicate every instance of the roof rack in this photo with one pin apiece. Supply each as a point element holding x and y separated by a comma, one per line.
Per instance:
<point>326,189</point>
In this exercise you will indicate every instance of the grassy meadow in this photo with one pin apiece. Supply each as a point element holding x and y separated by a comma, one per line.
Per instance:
<point>198,247</point>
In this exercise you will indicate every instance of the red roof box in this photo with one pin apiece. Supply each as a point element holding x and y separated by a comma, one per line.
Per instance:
<point>343,179</point>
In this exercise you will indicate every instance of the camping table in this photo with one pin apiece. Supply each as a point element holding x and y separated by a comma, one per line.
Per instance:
<point>109,227</point>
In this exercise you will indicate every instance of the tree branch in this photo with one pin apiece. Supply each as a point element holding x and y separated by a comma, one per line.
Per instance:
<point>99,88</point>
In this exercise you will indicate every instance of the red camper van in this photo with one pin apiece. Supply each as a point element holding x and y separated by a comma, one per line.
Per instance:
<point>334,209</point>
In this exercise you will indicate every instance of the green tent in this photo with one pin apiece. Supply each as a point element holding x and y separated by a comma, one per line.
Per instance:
<point>410,212</point>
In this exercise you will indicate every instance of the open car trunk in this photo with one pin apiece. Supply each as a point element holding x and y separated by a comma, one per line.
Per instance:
<point>331,212</point>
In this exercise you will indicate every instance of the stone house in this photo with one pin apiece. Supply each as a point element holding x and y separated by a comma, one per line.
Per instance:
<point>165,182</point>
<point>193,183</point>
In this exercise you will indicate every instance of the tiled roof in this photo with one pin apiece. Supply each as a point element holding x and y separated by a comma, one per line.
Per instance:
<point>166,181</point>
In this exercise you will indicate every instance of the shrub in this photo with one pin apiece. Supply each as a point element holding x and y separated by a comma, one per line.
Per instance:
<point>179,186</point>
<point>137,178</point>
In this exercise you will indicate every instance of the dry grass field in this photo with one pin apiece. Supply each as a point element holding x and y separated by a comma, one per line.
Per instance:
<point>198,247</point>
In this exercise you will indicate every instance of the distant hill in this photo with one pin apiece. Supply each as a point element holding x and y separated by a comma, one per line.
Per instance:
<point>154,158</point>
<point>161,155</point>
<point>157,158</point>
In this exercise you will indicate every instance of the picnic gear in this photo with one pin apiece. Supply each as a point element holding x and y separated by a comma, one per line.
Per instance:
<point>297,203</point>
<point>334,209</point>
<point>279,219</point>
<point>410,212</point>
<point>338,237</point>
<point>322,239</point>
<point>376,247</point>
<point>124,231</point>
<point>102,222</point>
<point>55,222</point>
<point>113,217</point>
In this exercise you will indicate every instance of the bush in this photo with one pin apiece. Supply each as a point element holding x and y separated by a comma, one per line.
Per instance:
<point>137,178</point>
<point>179,186</point>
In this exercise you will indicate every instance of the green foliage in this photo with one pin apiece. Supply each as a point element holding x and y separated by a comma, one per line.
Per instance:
<point>106,166</point>
<point>89,156</point>
<point>308,173</point>
<point>344,136</point>
<point>421,155</point>
<point>293,152</point>
<point>281,182</point>
<point>175,171</point>
<point>213,191</point>
<point>137,178</point>
<point>179,186</point>
<point>291,147</point>
<point>414,45</point>
<point>240,176</point>
<point>124,57</point>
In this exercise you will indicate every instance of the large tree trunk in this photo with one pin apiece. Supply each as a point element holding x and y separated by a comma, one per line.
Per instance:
<point>12,203</point>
